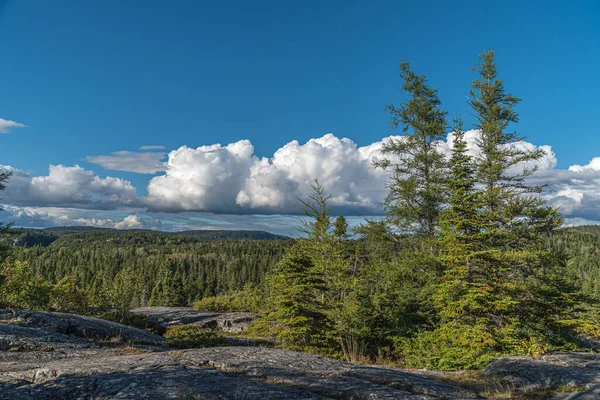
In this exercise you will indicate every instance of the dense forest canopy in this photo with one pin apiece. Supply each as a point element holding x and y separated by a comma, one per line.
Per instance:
<point>172,269</point>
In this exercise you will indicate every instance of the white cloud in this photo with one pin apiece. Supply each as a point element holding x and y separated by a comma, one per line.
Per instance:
<point>575,190</point>
<point>7,125</point>
<point>152,147</point>
<point>40,217</point>
<point>69,187</point>
<point>204,179</point>
<point>232,179</point>
<point>132,221</point>
<point>234,184</point>
<point>130,161</point>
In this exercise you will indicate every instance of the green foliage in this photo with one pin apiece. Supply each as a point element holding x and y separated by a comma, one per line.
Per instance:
<point>22,288</point>
<point>295,312</point>
<point>192,336</point>
<point>68,297</point>
<point>451,346</point>
<point>250,299</point>
<point>168,269</point>
<point>340,231</point>
<point>416,194</point>
<point>501,292</point>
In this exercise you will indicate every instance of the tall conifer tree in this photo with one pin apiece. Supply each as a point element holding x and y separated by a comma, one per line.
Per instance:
<point>416,193</point>
<point>4,177</point>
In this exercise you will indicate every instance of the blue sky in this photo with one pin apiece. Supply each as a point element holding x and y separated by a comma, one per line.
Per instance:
<point>94,77</point>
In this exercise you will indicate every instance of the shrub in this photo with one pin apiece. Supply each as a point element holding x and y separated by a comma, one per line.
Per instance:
<point>190,336</point>
<point>250,299</point>
<point>68,297</point>
<point>20,287</point>
<point>129,319</point>
<point>449,347</point>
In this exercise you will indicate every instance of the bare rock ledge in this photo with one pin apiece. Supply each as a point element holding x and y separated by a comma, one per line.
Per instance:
<point>61,356</point>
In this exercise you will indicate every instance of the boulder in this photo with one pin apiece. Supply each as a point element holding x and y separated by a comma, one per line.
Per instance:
<point>164,317</point>
<point>19,338</point>
<point>551,371</point>
<point>93,329</point>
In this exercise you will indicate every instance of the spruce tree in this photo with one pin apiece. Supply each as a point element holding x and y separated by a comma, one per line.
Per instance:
<point>295,312</point>
<point>4,177</point>
<point>537,294</point>
<point>502,291</point>
<point>340,231</point>
<point>416,193</point>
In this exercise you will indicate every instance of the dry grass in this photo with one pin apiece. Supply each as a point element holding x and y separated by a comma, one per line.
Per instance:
<point>493,387</point>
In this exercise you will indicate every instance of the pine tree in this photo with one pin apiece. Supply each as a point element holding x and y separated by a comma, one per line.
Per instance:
<point>416,193</point>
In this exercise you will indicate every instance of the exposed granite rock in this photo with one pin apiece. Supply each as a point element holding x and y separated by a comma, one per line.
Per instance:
<point>229,372</point>
<point>163,317</point>
<point>78,326</point>
<point>61,356</point>
<point>19,338</point>
<point>552,371</point>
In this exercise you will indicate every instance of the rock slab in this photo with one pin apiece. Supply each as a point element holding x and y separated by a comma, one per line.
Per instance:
<point>62,356</point>
<point>88,328</point>
<point>221,372</point>
<point>164,317</point>
<point>579,371</point>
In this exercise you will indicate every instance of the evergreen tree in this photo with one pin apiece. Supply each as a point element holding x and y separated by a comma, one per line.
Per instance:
<point>417,191</point>
<point>502,291</point>
<point>537,293</point>
<point>340,231</point>
<point>4,177</point>
<point>295,312</point>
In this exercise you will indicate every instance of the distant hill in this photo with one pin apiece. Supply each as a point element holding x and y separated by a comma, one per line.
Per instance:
<point>26,237</point>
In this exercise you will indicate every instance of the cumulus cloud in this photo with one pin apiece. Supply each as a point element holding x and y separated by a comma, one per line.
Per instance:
<point>130,161</point>
<point>7,125</point>
<point>132,221</point>
<point>232,179</point>
<point>575,190</point>
<point>40,217</point>
<point>69,187</point>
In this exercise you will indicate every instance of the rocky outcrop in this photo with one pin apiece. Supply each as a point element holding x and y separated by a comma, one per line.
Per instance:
<point>224,373</point>
<point>88,328</point>
<point>552,371</point>
<point>163,317</point>
<point>72,360</point>
<point>17,338</point>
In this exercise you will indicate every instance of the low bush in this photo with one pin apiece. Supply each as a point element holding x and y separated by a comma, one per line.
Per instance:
<point>250,299</point>
<point>190,336</point>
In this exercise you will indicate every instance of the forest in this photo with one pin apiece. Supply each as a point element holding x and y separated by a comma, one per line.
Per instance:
<point>466,265</point>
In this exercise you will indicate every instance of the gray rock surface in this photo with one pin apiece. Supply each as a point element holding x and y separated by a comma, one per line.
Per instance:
<point>78,326</point>
<point>224,373</point>
<point>552,371</point>
<point>164,317</point>
<point>61,356</point>
<point>19,338</point>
